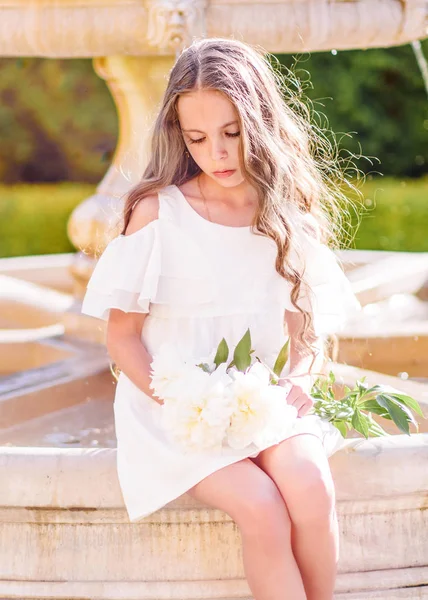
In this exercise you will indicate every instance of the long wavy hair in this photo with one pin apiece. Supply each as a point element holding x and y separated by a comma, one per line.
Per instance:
<point>284,155</point>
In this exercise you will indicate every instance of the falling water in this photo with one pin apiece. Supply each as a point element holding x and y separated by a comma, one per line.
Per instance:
<point>422,62</point>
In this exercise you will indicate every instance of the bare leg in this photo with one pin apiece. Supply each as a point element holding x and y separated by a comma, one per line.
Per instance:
<point>253,501</point>
<point>300,468</point>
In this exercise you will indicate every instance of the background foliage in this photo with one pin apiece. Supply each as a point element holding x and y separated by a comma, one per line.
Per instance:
<point>33,218</point>
<point>379,94</point>
<point>58,125</point>
<point>58,120</point>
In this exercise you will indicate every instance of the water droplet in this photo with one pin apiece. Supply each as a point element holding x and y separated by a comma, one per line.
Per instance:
<point>334,52</point>
<point>60,438</point>
<point>403,375</point>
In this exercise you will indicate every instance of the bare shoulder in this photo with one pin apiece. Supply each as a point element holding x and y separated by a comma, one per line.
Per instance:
<point>311,226</point>
<point>146,211</point>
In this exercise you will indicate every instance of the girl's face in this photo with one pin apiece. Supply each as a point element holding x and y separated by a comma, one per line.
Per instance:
<point>210,127</point>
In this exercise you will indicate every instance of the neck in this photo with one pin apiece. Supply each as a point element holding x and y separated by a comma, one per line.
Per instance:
<point>237,196</point>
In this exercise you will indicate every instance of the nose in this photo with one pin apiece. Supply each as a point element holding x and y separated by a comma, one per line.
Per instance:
<point>218,150</point>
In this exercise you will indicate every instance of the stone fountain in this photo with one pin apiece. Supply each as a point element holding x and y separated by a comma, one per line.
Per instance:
<point>63,528</point>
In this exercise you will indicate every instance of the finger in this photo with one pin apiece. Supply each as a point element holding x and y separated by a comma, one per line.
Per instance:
<point>293,396</point>
<point>304,409</point>
<point>299,402</point>
<point>296,394</point>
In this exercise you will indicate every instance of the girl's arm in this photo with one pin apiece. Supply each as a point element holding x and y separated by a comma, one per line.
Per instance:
<point>127,350</point>
<point>124,342</point>
<point>303,366</point>
<point>300,360</point>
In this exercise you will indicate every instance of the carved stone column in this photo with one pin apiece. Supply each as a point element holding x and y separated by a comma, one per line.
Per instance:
<point>137,85</point>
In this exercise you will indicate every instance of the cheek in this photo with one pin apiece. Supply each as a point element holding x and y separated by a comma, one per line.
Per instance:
<point>198,152</point>
<point>235,151</point>
<point>234,146</point>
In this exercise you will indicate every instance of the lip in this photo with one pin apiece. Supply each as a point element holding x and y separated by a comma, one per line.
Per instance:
<point>225,173</point>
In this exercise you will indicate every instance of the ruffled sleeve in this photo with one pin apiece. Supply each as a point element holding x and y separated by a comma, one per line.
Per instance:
<point>326,291</point>
<point>126,275</point>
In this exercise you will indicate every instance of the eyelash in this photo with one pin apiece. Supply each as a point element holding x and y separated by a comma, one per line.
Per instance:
<point>232,135</point>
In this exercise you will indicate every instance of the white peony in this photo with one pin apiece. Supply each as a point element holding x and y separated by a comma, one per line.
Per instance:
<point>247,392</point>
<point>206,408</point>
<point>261,414</point>
<point>171,373</point>
<point>199,420</point>
<point>280,419</point>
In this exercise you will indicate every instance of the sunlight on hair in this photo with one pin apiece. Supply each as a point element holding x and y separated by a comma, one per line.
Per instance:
<point>287,152</point>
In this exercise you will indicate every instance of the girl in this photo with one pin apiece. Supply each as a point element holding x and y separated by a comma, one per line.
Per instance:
<point>224,233</point>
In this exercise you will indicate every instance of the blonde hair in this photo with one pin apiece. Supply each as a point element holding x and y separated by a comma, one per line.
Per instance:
<point>284,156</point>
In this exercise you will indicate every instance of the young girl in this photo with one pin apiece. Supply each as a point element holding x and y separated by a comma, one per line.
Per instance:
<point>224,233</point>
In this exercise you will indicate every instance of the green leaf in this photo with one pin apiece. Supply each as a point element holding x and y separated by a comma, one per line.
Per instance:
<point>375,429</point>
<point>222,353</point>
<point>242,354</point>
<point>399,414</point>
<point>407,401</point>
<point>403,407</point>
<point>397,396</point>
<point>344,413</point>
<point>373,407</point>
<point>360,423</point>
<point>331,377</point>
<point>281,359</point>
<point>341,426</point>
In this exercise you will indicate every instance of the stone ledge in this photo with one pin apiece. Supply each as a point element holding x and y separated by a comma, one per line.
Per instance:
<point>373,585</point>
<point>75,541</point>
<point>88,28</point>
<point>86,477</point>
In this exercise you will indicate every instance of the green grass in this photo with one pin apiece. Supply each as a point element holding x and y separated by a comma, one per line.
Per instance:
<point>396,215</point>
<point>33,218</point>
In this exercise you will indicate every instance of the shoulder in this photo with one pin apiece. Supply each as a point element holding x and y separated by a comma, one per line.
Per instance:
<point>311,226</point>
<point>144,212</point>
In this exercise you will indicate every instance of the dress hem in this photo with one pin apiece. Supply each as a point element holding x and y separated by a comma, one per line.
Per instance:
<point>205,474</point>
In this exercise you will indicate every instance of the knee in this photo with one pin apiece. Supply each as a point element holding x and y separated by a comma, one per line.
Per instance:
<point>264,512</point>
<point>311,496</point>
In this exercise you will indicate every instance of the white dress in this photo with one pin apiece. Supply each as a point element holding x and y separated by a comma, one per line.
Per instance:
<point>201,281</point>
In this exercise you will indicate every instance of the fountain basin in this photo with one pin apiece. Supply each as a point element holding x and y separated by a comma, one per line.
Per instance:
<point>86,28</point>
<point>64,531</point>
<point>62,513</point>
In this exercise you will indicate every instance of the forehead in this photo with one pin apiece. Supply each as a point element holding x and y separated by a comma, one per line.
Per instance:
<point>205,110</point>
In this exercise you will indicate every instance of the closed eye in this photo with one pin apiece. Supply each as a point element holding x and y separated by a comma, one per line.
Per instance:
<point>200,140</point>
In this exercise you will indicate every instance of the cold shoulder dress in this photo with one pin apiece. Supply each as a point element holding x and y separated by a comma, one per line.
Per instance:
<point>200,281</point>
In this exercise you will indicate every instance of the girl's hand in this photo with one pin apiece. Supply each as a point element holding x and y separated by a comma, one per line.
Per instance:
<point>157,399</point>
<point>299,394</point>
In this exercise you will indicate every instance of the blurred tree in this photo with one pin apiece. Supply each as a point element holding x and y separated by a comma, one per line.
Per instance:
<point>379,95</point>
<point>58,121</point>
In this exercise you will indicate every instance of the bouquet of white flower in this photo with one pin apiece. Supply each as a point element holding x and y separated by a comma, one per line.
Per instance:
<point>210,403</point>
